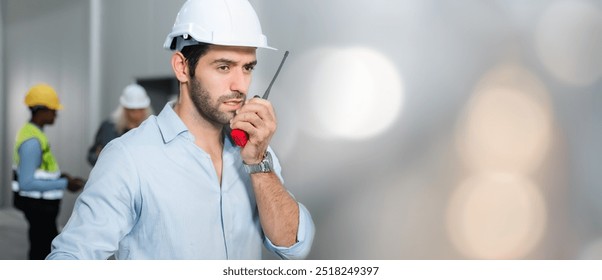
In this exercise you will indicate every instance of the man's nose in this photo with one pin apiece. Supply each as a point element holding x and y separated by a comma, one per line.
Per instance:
<point>240,81</point>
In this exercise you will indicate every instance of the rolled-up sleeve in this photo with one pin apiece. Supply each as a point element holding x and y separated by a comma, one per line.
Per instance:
<point>305,237</point>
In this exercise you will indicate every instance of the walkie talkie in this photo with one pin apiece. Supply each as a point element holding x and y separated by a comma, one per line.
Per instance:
<point>240,137</point>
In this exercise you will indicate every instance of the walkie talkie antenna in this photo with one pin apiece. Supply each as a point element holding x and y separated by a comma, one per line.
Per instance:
<point>267,91</point>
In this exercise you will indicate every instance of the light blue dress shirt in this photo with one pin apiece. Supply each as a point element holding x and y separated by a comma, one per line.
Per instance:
<point>30,154</point>
<point>154,194</point>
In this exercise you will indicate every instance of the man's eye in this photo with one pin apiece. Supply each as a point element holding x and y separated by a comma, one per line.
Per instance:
<point>224,68</point>
<point>249,68</point>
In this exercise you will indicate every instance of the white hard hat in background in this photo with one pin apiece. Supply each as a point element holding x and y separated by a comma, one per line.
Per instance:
<point>134,97</point>
<point>217,22</point>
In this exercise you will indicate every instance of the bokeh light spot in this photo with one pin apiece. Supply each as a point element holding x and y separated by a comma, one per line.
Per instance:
<point>496,216</point>
<point>354,93</point>
<point>507,123</point>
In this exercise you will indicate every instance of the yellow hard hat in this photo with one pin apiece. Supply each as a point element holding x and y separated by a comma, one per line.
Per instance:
<point>43,95</point>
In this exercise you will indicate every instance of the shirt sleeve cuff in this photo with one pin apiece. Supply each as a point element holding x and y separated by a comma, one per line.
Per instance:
<point>305,237</point>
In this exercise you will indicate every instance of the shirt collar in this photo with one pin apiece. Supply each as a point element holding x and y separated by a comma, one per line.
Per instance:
<point>170,123</point>
<point>171,126</point>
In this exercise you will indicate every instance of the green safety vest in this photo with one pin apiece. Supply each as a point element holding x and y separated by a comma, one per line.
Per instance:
<point>28,131</point>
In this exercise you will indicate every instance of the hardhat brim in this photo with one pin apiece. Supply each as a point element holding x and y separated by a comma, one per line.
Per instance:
<point>195,40</point>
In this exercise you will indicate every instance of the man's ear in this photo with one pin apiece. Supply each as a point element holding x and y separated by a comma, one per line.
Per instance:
<point>180,67</point>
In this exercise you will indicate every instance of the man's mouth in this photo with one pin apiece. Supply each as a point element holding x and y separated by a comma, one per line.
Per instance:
<point>235,104</point>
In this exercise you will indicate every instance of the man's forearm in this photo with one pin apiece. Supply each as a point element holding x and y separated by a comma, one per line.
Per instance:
<point>278,211</point>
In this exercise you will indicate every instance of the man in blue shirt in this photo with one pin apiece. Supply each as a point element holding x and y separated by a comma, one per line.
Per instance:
<point>177,187</point>
<point>38,184</point>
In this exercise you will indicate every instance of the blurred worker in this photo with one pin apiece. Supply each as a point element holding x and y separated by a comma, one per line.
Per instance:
<point>134,107</point>
<point>38,184</point>
<point>177,187</point>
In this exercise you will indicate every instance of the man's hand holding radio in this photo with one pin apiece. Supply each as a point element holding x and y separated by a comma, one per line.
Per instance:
<point>258,120</point>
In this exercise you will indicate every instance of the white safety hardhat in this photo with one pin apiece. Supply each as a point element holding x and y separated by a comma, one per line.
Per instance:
<point>216,22</point>
<point>134,97</point>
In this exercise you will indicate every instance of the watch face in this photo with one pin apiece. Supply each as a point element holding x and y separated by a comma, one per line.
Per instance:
<point>266,163</point>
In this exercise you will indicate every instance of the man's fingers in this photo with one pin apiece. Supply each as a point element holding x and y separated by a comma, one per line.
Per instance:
<point>261,107</point>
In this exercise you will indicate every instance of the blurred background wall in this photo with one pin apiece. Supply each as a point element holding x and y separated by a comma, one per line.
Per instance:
<point>414,129</point>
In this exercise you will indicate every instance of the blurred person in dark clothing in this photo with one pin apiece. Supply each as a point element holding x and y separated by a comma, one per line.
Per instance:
<point>134,107</point>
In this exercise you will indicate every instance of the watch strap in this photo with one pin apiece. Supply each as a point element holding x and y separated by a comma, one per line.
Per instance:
<point>265,166</point>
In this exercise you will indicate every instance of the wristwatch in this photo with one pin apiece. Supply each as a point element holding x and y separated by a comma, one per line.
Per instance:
<point>265,166</point>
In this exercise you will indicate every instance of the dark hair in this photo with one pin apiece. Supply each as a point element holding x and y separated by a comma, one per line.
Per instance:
<point>193,53</point>
<point>37,108</point>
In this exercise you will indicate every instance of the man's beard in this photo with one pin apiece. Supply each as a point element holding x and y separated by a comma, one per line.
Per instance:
<point>202,102</point>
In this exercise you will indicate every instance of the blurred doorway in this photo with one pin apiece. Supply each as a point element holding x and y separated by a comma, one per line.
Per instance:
<point>160,90</point>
